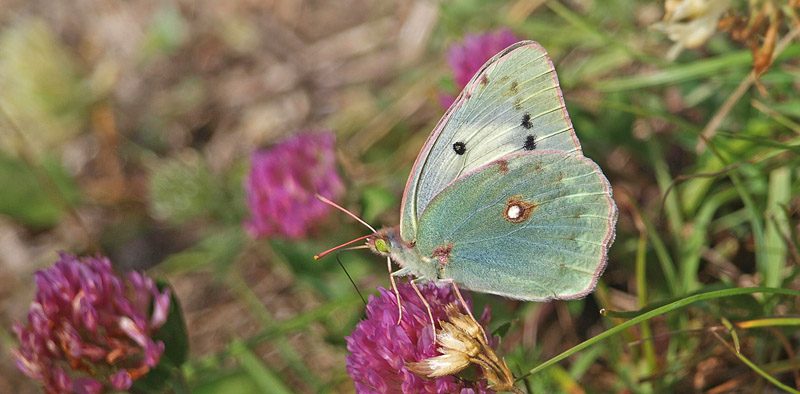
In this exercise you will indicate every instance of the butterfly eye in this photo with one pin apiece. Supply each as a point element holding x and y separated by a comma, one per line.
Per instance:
<point>381,246</point>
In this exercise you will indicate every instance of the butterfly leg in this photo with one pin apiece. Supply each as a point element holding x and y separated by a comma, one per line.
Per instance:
<point>469,310</point>
<point>394,287</point>
<point>424,301</point>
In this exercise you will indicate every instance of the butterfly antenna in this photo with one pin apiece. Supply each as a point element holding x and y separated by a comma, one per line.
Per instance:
<point>323,254</point>
<point>350,277</point>
<point>333,204</point>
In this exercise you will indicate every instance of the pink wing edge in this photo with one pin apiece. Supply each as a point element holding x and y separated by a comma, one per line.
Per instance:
<point>612,218</point>
<point>462,97</point>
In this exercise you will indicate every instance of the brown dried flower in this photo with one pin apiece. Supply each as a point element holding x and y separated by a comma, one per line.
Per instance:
<point>463,342</point>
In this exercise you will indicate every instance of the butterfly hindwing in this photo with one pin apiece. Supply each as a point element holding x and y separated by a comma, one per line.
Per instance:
<point>512,105</point>
<point>532,226</point>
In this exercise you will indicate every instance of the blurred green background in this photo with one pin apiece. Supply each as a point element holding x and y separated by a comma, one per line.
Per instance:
<point>126,129</point>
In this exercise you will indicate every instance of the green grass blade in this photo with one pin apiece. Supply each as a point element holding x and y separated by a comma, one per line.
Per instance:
<point>264,377</point>
<point>761,141</point>
<point>760,371</point>
<point>780,189</point>
<point>672,209</point>
<point>591,28</point>
<point>740,60</point>
<point>664,258</point>
<point>243,291</point>
<point>681,303</point>
<point>755,219</point>
<point>734,335</point>
<point>297,323</point>
<point>641,290</point>
<point>698,238</point>
<point>769,322</point>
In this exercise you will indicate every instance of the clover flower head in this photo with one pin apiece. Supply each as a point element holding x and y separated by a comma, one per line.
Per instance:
<point>381,350</point>
<point>467,58</point>
<point>89,330</point>
<point>283,182</point>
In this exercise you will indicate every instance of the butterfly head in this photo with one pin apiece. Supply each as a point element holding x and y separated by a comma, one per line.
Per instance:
<point>381,243</point>
<point>385,242</point>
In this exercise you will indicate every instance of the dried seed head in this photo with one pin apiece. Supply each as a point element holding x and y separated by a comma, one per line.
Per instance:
<point>457,349</point>
<point>447,364</point>
<point>383,353</point>
<point>462,342</point>
<point>464,323</point>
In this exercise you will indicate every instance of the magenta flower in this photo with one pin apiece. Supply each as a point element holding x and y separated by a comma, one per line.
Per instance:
<point>467,58</point>
<point>88,331</point>
<point>380,348</point>
<point>282,183</point>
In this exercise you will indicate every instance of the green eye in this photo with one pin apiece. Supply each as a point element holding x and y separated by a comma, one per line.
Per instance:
<point>381,246</point>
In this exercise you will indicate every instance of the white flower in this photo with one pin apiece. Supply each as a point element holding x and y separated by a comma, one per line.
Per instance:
<point>690,23</point>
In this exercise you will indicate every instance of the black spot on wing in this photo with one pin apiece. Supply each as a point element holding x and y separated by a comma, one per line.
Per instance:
<point>530,142</point>
<point>460,148</point>
<point>526,121</point>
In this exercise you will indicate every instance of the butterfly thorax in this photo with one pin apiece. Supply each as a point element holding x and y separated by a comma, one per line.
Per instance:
<point>388,242</point>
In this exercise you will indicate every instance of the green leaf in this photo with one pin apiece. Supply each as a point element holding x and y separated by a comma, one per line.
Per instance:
<point>502,330</point>
<point>156,381</point>
<point>176,348</point>
<point>173,332</point>
<point>183,189</point>
<point>44,91</point>
<point>27,201</point>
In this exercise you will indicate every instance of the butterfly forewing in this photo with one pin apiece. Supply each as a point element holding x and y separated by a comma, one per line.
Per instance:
<point>533,226</point>
<point>512,105</point>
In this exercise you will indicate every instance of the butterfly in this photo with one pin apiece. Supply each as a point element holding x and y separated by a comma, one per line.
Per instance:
<point>501,199</point>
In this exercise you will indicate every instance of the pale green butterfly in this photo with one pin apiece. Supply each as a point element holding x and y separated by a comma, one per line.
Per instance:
<point>501,199</point>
